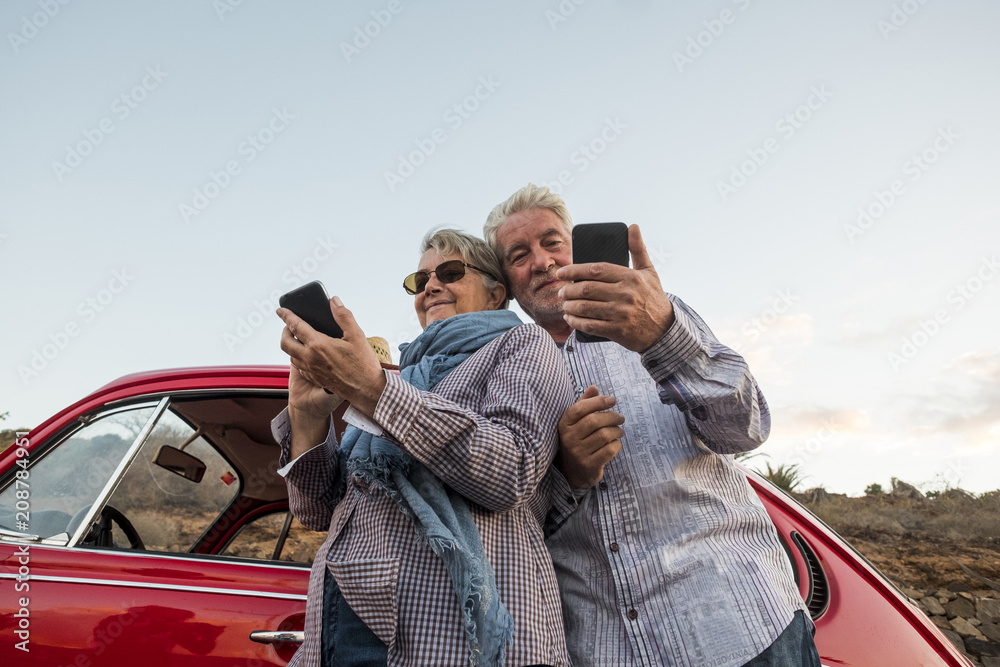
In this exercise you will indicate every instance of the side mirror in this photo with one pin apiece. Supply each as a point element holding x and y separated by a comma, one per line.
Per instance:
<point>180,463</point>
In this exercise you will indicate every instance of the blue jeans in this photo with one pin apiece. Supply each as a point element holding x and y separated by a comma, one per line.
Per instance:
<point>347,641</point>
<point>794,647</point>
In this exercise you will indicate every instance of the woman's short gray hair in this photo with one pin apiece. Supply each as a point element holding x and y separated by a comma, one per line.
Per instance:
<point>473,251</point>
<point>529,197</point>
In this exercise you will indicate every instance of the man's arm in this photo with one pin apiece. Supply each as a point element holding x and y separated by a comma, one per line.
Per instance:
<point>710,383</point>
<point>706,380</point>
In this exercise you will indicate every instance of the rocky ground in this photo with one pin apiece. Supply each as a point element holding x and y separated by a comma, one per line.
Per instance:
<point>922,544</point>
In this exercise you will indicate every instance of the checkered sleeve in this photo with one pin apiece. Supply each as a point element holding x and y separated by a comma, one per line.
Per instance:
<point>310,476</point>
<point>709,382</point>
<point>497,453</point>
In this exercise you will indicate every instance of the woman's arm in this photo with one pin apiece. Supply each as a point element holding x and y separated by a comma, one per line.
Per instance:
<point>309,477</point>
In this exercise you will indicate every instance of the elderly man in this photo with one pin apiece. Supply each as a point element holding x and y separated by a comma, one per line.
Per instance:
<point>664,554</point>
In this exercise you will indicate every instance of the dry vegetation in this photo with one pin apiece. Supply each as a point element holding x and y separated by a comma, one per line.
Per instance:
<point>914,539</point>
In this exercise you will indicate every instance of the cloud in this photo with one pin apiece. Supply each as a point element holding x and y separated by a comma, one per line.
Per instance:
<point>798,420</point>
<point>963,400</point>
<point>772,347</point>
<point>853,335</point>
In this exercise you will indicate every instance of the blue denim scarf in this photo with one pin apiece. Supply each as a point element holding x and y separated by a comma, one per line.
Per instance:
<point>438,513</point>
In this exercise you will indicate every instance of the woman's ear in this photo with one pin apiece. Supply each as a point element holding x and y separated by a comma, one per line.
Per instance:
<point>497,296</point>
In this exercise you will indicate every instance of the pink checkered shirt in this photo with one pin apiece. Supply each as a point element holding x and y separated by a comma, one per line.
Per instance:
<point>488,430</point>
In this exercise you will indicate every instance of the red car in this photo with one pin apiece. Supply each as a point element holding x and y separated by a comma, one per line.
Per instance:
<point>147,521</point>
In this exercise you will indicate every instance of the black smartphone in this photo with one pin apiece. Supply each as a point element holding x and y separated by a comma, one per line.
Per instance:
<point>311,303</point>
<point>599,242</point>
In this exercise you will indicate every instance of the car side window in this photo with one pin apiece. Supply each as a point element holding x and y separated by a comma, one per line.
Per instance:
<point>169,506</point>
<point>258,538</point>
<point>67,479</point>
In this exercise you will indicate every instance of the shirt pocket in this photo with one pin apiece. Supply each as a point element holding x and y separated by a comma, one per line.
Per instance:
<point>370,587</point>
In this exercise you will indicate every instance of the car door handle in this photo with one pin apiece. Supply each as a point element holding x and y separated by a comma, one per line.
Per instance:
<point>272,637</point>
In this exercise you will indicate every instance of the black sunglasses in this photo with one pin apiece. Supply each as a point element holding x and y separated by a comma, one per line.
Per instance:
<point>446,272</point>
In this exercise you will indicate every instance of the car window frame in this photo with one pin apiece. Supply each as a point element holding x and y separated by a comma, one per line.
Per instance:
<point>109,488</point>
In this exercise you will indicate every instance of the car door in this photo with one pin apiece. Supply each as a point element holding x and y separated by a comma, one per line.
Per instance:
<point>115,557</point>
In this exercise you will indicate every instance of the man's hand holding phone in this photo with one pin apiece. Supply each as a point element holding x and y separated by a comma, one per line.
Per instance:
<point>624,305</point>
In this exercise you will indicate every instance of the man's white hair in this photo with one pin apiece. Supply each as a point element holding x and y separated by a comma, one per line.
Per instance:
<point>529,197</point>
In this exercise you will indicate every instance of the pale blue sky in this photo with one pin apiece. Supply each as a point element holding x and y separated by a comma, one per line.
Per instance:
<point>316,199</point>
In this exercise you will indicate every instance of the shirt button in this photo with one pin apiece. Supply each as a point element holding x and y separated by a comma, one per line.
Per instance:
<point>604,486</point>
<point>633,614</point>
<point>614,547</point>
<point>653,363</point>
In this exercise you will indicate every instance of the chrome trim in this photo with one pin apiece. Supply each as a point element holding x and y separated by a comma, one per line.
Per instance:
<point>272,637</point>
<point>26,537</point>
<point>165,587</point>
<point>116,476</point>
<point>87,419</point>
<point>185,557</point>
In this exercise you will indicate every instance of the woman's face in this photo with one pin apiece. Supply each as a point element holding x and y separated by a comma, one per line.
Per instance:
<point>438,301</point>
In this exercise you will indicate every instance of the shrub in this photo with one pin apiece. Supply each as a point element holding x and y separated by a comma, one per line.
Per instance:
<point>785,477</point>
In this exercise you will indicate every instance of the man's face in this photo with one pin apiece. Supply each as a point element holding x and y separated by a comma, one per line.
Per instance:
<point>535,243</point>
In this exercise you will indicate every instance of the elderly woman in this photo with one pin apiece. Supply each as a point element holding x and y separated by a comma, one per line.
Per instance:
<point>435,554</point>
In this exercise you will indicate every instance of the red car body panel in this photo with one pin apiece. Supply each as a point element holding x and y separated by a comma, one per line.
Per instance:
<point>91,606</point>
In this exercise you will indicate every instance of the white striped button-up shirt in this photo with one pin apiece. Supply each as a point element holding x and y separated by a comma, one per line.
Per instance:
<point>671,559</point>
